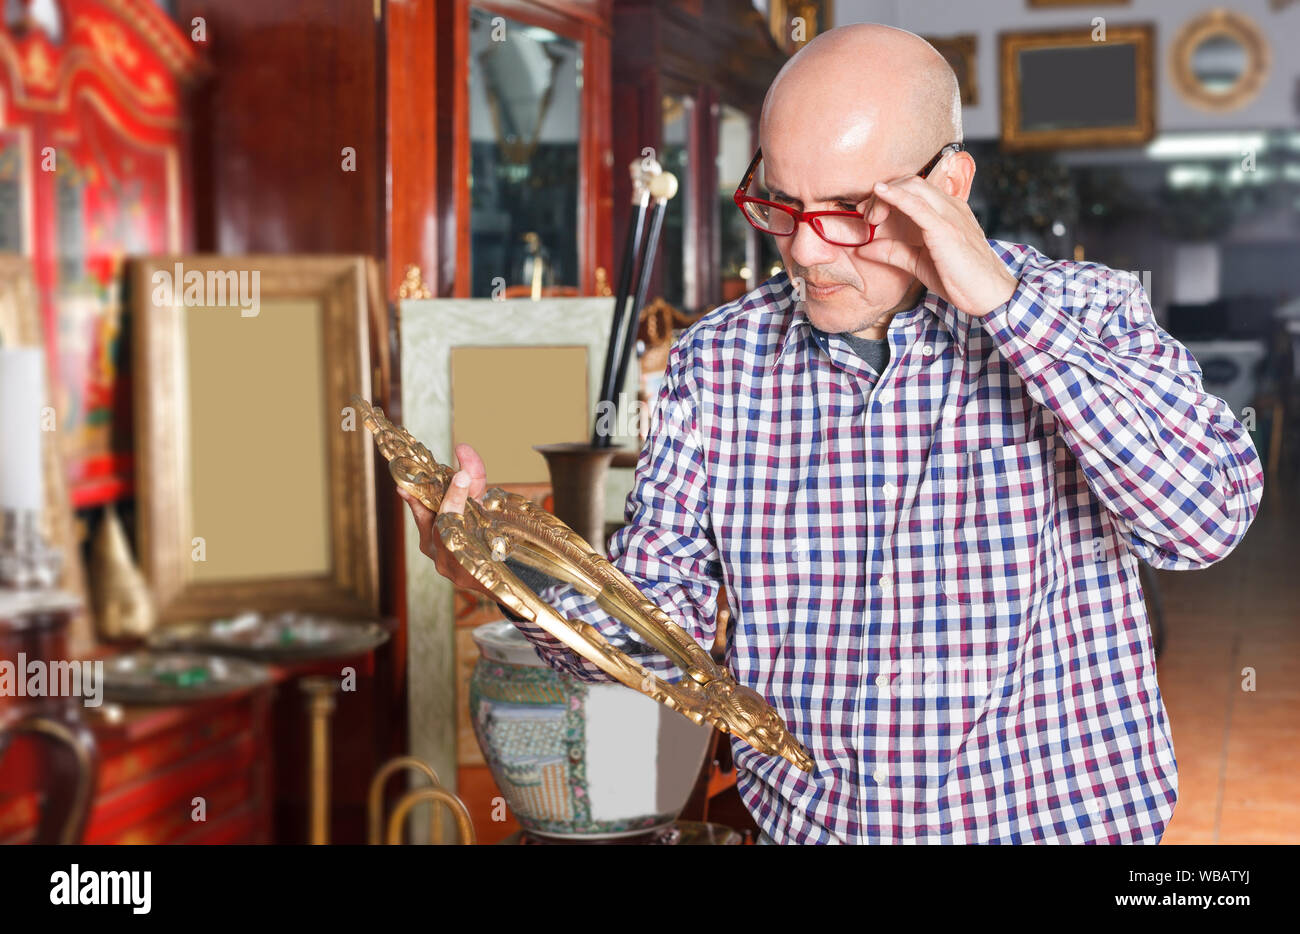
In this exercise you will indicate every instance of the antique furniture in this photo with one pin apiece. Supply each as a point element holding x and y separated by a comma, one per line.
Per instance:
<point>1219,60</point>
<point>242,753</point>
<point>688,84</point>
<point>92,167</point>
<point>375,799</point>
<point>48,757</point>
<point>435,796</point>
<point>1069,88</point>
<point>537,155</point>
<point>220,383</point>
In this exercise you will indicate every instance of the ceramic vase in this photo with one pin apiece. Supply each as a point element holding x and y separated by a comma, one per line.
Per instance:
<point>577,760</point>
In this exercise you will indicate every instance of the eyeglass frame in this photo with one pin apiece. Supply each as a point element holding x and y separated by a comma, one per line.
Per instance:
<point>812,218</point>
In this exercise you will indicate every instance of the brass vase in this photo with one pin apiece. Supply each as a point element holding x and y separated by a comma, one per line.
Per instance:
<point>119,595</point>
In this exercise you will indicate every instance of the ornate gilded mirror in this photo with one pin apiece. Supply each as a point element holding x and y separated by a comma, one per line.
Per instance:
<point>1219,61</point>
<point>506,525</point>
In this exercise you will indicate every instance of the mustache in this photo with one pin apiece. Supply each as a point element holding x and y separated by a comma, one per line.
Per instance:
<point>820,277</point>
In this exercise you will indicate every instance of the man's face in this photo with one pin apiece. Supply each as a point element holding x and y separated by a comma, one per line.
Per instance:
<point>844,291</point>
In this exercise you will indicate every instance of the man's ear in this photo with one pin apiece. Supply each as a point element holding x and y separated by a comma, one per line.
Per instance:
<point>960,175</point>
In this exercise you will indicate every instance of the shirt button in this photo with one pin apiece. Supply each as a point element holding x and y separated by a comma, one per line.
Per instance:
<point>879,776</point>
<point>927,350</point>
<point>881,680</point>
<point>886,583</point>
<point>889,489</point>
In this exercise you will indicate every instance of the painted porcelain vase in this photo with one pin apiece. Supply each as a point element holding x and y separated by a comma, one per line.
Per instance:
<point>577,760</point>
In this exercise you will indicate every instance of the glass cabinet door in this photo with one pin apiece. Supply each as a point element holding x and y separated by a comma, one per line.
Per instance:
<point>677,265</point>
<point>525,93</point>
<point>737,240</point>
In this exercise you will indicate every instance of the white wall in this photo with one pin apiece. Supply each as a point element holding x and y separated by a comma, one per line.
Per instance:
<point>1273,107</point>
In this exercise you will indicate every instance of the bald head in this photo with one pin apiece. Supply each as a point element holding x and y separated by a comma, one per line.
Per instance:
<point>858,105</point>
<point>880,91</point>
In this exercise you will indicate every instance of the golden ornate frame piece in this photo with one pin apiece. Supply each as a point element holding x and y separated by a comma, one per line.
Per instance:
<point>1234,26</point>
<point>509,525</point>
<point>1141,131</point>
<point>339,285</point>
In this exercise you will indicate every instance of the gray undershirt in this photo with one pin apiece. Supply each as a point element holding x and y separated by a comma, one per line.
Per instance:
<point>874,351</point>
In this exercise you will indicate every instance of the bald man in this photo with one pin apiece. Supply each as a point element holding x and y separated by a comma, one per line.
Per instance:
<point>925,465</point>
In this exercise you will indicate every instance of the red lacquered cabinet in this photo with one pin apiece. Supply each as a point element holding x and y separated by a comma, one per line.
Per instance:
<point>154,766</point>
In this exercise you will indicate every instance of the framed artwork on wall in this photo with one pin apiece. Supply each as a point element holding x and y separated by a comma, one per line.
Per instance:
<point>1070,88</point>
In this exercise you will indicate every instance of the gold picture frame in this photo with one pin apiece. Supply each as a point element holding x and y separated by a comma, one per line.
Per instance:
<point>1136,131</point>
<point>20,326</point>
<point>815,18</point>
<point>959,51</point>
<point>1215,24</point>
<point>255,478</point>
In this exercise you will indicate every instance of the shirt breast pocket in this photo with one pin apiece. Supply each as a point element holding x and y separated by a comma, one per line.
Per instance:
<point>996,514</point>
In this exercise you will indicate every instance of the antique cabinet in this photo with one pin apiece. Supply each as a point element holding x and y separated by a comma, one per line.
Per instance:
<point>688,84</point>
<point>92,168</point>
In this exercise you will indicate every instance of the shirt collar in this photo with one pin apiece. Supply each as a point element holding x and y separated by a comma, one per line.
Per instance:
<point>797,324</point>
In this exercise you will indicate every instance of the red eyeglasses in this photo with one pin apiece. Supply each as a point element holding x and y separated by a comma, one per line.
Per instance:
<point>838,228</point>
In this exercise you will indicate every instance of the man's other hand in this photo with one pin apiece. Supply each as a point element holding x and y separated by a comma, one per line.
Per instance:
<point>470,481</point>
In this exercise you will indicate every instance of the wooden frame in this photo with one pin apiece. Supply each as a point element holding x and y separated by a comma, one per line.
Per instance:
<point>338,286</point>
<point>1141,36</point>
<point>20,326</point>
<point>1220,23</point>
<point>959,51</point>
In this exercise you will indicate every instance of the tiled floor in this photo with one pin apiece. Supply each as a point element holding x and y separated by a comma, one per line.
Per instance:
<point>1238,750</point>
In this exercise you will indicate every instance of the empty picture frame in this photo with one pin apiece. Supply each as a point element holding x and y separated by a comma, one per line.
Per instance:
<point>1072,88</point>
<point>255,482</point>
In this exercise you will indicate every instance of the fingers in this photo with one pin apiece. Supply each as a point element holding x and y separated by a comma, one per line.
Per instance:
<point>421,513</point>
<point>894,253</point>
<point>454,499</point>
<point>472,464</point>
<point>876,211</point>
<point>913,197</point>
<point>424,518</point>
<point>431,544</point>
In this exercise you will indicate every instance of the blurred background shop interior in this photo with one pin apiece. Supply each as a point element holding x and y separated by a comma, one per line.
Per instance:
<point>389,169</point>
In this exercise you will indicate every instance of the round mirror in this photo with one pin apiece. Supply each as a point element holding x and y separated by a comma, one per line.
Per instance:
<point>1219,61</point>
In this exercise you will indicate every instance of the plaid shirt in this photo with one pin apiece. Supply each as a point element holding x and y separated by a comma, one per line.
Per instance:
<point>933,572</point>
